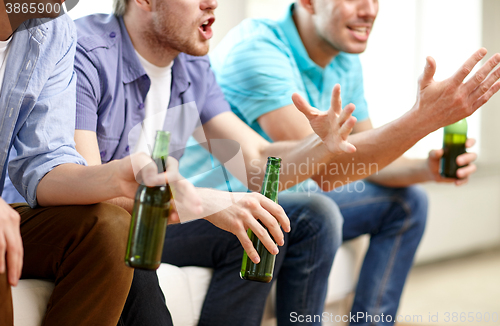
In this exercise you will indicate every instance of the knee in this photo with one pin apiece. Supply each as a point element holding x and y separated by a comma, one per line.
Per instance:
<point>323,215</point>
<point>108,228</point>
<point>416,201</point>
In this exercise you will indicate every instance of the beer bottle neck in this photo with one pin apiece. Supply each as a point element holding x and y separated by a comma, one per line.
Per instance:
<point>270,185</point>
<point>160,150</point>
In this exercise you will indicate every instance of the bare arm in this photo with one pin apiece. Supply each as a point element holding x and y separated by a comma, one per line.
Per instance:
<point>87,146</point>
<point>438,104</point>
<point>329,141</point>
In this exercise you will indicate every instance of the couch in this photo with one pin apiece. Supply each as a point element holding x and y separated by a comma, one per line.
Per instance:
<point>185,290</point>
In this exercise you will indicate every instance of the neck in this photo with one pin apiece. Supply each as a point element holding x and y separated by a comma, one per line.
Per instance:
<point>318,49</point>
<point>149,49</point>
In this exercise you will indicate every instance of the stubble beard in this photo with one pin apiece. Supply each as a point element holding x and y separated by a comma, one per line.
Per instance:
<point>167,34</point>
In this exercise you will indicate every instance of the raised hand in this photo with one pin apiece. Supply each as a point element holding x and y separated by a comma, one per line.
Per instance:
<point>332,126</point>
<point>11,244</point>
<point>446,102</point>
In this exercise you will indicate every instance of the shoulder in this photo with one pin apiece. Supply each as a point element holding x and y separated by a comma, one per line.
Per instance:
<point>197,70</point>
<point>48,32</point>
<point>97,31</point>
<point>252,42</point>
<point>252,35</point>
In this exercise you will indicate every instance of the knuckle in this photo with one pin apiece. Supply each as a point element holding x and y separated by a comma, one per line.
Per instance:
<point>479,77</point>
<point>260,232</point>
<point>242,214</point>
<point>252,204</point>
<point>466,70</point>
<point>483,88</point>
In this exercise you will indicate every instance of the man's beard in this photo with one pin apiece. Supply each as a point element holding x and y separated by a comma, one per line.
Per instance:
<point>165,34</point>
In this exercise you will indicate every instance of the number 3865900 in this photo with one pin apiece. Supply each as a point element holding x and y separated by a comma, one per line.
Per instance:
<point>33,8</point>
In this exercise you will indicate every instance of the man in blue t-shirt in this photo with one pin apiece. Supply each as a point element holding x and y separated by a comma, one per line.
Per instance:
<point>262,62</point>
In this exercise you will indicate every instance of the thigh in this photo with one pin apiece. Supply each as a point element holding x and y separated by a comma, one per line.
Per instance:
<point>51,234</point>
<point>199,243</point>
<point>364,206</point>
<point>6,312</point>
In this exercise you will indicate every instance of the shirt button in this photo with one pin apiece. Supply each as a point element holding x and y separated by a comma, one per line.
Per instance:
<point>141,106</point>
<point>127,148</point>
<point>112,35</point>
<point>103,153</point>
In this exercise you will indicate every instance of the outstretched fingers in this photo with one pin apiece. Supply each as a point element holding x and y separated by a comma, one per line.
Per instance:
<point>336,100</point>
<point>481,81</point>
<point>467,67</point>
<point>486,96</point>
<point>303,106</point>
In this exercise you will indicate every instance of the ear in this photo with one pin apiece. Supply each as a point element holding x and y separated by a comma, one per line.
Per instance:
<point>146,5</point>
<point>308,5</point>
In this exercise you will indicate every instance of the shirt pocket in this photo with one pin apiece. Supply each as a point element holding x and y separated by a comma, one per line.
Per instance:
<point>107,147</point>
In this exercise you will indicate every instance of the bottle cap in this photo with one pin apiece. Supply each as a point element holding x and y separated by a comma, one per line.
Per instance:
<point>459,127</point>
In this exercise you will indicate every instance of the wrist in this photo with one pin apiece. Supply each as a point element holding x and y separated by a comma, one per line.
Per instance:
<point>114,182</point>
<point>426,172</point>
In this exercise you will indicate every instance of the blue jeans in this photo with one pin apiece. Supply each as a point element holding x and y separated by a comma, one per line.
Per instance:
<point>301,270</point>
<point>395,220</point>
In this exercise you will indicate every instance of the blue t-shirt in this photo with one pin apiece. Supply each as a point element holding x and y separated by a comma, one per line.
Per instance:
<point>259,65</point>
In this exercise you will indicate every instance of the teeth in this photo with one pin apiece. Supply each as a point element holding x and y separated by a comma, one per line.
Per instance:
<point>359,29</point>
<point>205,23</point>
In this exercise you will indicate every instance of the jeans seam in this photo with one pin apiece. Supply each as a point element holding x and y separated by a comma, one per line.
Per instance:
<point>396,247</point>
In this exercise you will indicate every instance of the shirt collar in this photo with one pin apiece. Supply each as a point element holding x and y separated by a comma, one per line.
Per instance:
<point>132,68</point>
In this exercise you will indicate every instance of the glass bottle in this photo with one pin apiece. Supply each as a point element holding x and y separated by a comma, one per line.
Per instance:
<point>149,215</point>
<point>454,139</point>
<point>263,271</point>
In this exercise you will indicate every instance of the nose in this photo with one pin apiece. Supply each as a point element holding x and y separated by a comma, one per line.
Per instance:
<point>368,8</point>
<point>209,4</point>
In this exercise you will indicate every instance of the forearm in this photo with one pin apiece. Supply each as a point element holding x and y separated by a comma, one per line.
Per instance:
<point>403,172</point>
<point>376,149</point>
<point>72,184</point>
<point>300,160</point>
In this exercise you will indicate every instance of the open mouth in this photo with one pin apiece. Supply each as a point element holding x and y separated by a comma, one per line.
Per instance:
<point>360,32</point>
<point>206,28</point>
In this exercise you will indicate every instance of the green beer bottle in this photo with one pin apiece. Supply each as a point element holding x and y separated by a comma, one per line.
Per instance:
<point>263,271</point>
<point>149,216</point>
<point>454,139</point>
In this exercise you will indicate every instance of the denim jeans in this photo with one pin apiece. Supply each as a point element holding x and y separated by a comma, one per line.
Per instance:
<point>301,270</point>
<point>395,220</point>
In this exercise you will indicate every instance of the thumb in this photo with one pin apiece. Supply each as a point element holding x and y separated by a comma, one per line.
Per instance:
<point>304,107</point>
<point>436,154</point>
<point>429,71</point>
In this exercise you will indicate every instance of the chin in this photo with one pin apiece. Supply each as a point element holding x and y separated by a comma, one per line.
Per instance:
<point>198,51</point>
<point>356,49</point>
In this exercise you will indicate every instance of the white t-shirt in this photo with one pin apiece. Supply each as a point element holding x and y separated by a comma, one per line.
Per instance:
<point>156,104</point>
<point>4,51</point>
